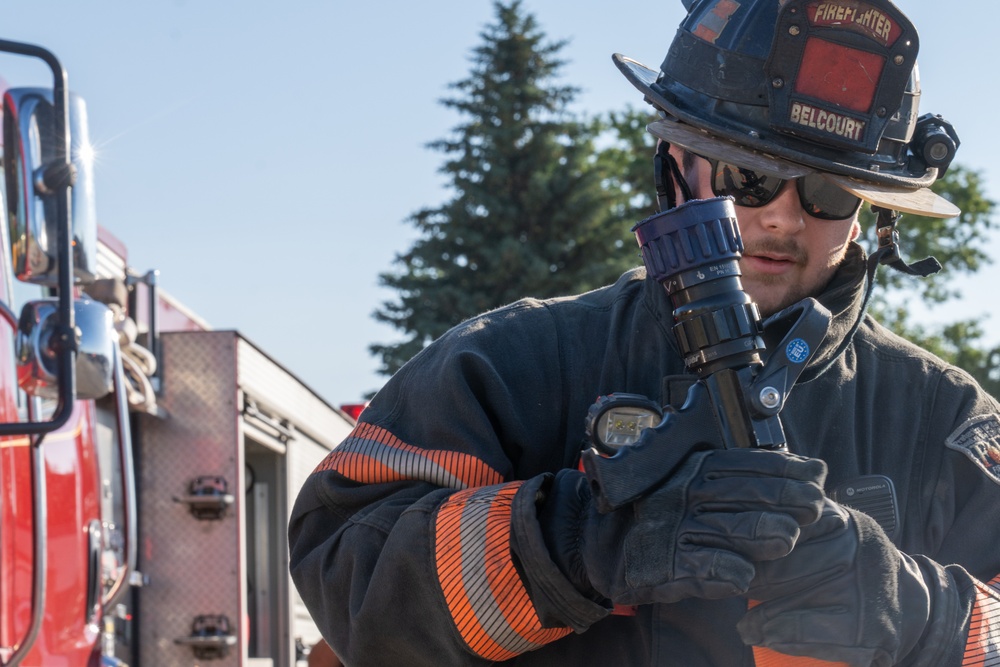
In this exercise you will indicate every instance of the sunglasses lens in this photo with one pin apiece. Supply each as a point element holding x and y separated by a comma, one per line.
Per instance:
<point>746,186</point>
<point>819,197</point>
<point>822,199</point>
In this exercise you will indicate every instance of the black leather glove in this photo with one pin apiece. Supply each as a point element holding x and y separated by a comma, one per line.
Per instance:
<point>696,535</point>
<point>845,593</point>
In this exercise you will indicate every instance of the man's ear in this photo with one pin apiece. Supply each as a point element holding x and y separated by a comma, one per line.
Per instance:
<point>680,155</point>
<point>855,230</point>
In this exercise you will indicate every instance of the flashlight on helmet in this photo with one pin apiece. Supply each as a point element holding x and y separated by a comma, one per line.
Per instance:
<point>935,142</point>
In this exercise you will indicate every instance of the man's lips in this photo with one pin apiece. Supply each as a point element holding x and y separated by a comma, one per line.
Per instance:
<point>772,264</point>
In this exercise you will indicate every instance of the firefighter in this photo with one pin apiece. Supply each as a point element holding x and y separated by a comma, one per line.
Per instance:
<point>454,527</point>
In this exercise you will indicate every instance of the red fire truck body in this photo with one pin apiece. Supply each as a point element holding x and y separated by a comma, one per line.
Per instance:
<point>72,492</point>
<point>148,463</point>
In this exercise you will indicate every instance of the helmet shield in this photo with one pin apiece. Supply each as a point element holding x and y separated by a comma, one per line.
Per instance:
<point>802,85</point>
<point>837,71</point>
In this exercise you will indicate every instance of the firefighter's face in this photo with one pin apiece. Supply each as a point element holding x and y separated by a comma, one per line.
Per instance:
<point>788,254</point>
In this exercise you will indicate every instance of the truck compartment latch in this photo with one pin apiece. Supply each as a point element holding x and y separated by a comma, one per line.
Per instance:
<point>208,497</point>
<point>210,637</point>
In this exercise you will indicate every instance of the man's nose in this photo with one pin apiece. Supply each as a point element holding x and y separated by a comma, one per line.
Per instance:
<point>781,215</point>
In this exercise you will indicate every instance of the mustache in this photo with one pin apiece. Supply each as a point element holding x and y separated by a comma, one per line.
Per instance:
<point>776,246</point>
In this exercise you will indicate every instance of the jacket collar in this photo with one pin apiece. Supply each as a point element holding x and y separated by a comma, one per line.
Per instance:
<point>844,297</point>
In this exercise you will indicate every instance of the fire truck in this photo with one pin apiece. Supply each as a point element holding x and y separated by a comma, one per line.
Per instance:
<point>148,462</point>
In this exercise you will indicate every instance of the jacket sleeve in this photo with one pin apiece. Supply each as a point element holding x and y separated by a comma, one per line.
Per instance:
<point>962,497</point>
<point>963,629</point>
<point>982,645</point>
<point>401,539</point>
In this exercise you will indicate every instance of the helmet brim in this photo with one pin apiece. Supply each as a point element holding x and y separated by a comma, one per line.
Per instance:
<point>922,201</point>
<point>677,129</point>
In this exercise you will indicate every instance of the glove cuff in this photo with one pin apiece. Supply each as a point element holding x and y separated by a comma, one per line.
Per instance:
<point>558,602</point>
<point>562,516</point>
<point>936,645</point>
<point>911,602</point>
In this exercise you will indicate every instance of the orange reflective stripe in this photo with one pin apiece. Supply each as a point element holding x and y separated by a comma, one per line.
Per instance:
<point>765,657</point>
<point>983,644</point>
<point>373,455</point>
<point>486,597</point>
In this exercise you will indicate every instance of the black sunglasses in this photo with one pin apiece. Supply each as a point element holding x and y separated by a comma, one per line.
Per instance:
<point>819,197</point>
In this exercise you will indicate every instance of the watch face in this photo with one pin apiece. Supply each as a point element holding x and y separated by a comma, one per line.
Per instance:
<point>248,478</point>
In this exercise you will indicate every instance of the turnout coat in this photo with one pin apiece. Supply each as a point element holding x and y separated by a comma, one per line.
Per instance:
<point>415,542</point>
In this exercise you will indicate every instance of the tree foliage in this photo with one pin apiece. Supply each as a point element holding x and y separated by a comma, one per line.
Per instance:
<point>626,159</point>
<point>529,215</point>
<point>957,243</point>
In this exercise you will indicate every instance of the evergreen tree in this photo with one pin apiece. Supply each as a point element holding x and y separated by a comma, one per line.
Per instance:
<point>626,162</point>
<point>529,216</point>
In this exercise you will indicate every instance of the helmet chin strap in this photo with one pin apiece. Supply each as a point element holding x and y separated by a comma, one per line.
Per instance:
<point>666,173</point>
<point>888,247</point>
<point>887,253</point>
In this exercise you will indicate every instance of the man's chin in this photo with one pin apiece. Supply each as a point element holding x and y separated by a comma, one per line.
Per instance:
<point>772,293</point>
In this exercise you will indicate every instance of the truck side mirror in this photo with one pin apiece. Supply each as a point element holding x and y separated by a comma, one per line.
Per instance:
<point>36,349</point>
<point>29,146</point>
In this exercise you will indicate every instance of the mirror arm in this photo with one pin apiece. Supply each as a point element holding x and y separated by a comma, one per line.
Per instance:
<point>9,315</point>
<point>61,164</point>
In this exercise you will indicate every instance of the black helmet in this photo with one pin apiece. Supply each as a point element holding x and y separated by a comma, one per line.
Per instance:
<point>795,86</point>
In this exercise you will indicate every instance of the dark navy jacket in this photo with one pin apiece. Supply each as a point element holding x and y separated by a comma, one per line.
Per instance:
<point>415,542</point>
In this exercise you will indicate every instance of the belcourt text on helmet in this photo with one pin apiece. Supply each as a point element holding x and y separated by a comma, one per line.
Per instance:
<point>821,119</point>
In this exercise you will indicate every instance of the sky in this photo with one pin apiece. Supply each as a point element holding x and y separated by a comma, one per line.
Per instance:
<point>265,156</point>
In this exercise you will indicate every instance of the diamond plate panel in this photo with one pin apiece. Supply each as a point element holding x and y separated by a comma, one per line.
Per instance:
<point>194,566</point>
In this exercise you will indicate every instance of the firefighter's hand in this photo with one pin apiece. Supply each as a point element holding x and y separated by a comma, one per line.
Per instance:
<point>845,593</point>
<point>696,535</point>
